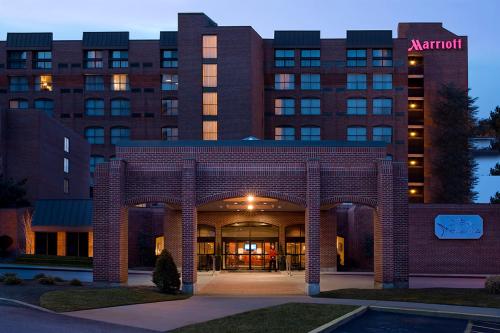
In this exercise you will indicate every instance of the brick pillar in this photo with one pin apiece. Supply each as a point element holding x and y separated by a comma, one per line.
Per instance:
<point>61,243</point>
<point>172,232</point>
<point>401,225</point>
<point>383,232</point>
<point>312,225</point>
<point>328,240</point>
<point>189,226</point>
<point>110,223</point>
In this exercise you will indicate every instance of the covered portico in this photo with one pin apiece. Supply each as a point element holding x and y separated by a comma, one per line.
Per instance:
<point>187,175</point>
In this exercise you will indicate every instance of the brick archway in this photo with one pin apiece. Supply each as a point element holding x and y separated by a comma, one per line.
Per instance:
<point>307,174</point>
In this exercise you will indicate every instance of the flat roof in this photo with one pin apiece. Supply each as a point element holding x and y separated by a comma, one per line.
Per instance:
<point>250,143</point>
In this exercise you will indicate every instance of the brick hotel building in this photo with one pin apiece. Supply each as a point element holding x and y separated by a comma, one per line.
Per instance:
<point>349,118</point>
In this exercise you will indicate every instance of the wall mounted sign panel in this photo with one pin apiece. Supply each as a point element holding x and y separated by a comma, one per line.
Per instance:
<point>458,226</point>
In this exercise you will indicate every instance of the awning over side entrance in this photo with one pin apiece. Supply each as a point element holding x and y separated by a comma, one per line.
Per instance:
<point>63,214</point>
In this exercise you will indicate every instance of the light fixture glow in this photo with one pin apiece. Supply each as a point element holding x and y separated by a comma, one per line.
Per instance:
<point>413,105</point>
<point>413,134</point>
<point>413,62</point>
<point>250,207</point>
<point>250,198</point>
<point>413,191</point>
<point>413,162</point>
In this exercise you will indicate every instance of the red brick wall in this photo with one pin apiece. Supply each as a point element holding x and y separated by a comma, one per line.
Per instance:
<point>428,254</point>
<point>9,226</point>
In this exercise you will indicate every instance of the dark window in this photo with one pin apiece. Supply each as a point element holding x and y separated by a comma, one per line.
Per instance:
<point>77,244</point>
<point>119,59</point>
<point>16,59</point>
<point>284,58</point>
<point>356,81</point>
<point>170,133</point>
<point>356,133</point>
<point>66,186</point>
<point>94,135</point>
<point>356,106</point>
<point>310,82</point>
<point>356,58</point>
<point>94,160</point>
<point>310,58</point>
<point>45,105</point>
<point>18,103</point>
<point>382,106</point>
<point>170,107</point>
<point>310,106</point>
<point>284,81</point>
<point>94,107</point>
<point>382,58</point>
<point>382,81</point>
<point>94,83</point>
<point>119,133</point>
<point>285,133</point>
<point>169,59</point>
<point>46,243</point>
<point>42,60</point>
<point>93,59</point>
<point>310,133</point>
<point>284,106</point>
<point>120,107</point>
<point>18,83</point>
<point>382,133</point>
<point>169,82</point>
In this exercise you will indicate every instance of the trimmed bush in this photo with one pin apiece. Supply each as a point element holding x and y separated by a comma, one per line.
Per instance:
<point>165,276</point>
<point>48,280</point>
<point>6,275</point>
<point>75,282</point>
<point>492,284</point>
<point>39,276</point>
<point>12,280</point>
<point>58,279</point>
<point>5,242</point>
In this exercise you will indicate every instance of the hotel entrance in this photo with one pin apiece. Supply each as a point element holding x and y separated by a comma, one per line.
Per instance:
<point>246,245</point>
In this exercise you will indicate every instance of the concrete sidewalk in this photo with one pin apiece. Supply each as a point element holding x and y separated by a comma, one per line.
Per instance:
<point>164,316</point>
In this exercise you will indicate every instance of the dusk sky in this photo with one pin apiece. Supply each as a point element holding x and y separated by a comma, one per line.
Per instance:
<point>478,19</point>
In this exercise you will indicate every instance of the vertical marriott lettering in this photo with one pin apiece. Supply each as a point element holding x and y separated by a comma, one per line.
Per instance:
<point>418,45</point>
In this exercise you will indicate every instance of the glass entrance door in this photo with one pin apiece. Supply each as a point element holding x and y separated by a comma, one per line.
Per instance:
<point>247,255</point>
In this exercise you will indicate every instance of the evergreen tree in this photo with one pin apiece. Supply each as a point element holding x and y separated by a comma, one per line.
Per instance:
<point>495,171</point>
<point>12,193</point>
<point>494,122</point>
<point>452,165</point>
<point>165,276</point>
<point>495,199</point>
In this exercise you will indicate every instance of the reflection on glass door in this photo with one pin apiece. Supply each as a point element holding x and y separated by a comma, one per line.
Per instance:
<point>295,246</point>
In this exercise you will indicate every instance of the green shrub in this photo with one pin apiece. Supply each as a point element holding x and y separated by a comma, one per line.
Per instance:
<point>75,282</point>
<point>165,276</point>
<point>12,280</point>
<point>49,280</point>
<point>492,284</point>
<point>39,276</point>
<point>58,279</point>
<point>6,275</point>
<point>5,242</point>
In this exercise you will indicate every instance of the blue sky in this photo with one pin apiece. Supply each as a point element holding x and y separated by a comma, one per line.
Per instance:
<point>144,19</point>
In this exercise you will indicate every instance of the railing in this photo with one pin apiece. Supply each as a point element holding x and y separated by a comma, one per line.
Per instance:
<point>288,265</point>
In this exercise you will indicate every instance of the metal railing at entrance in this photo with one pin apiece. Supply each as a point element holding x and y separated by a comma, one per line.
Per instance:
<point>288,265</point>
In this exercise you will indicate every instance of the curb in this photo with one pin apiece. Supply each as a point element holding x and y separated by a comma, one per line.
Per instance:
<point>28,305</point>
<point>437,313</point>
<point>341,320</point>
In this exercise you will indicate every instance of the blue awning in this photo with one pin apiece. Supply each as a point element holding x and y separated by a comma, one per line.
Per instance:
<point>63,213</point>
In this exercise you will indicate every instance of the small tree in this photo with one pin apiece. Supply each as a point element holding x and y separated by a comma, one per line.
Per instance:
<point>29,235</point>
<point>494,122</point>
<point>5,242</point>
<point>495,171</point>
<point>165,276</point>
<point>12,193</point>
<point>495,199</point>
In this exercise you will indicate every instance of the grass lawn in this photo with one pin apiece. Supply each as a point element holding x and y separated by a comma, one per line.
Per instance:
<point>289,318</point>
<point>451,296</point>
<point>92,298</point>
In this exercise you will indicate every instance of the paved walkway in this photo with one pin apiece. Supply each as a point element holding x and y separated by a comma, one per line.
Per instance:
<point>164,316</point>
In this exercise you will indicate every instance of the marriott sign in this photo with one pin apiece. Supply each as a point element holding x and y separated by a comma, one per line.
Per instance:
<point>422,45</point>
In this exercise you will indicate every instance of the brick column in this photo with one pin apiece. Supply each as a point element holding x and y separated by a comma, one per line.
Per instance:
<point>172,232</point>
<point>189,226</point>
<point>313,223</point>
<point>328,242</point>
<point>401,225</point>
<point>383,232</point>
<point>100,222</point>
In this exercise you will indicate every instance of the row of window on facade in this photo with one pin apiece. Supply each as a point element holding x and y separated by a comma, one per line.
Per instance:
<point>313,133</point>
<point>313,81</point>
<point>312,106</point>
<point>312,58</point>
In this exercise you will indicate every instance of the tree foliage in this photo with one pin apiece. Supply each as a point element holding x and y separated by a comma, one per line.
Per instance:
<point>495,199</point>
<point>165,276</point>
<point>12,193</point>
<point>452,164</point>
<point>495,171</point>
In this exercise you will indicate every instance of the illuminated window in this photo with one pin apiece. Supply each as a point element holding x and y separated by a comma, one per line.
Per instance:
<point>119,82</point>
<point>382,58</point>
<point>94,160</point>
<point>159,245</point>
<point>209,130</point>
<point>209,75</point>
<point>209,104</point>
<point>356,106</point>
<point>382,81</point>
<point>94,83</point>
<point>310,106</point>
<point>119,59</point>
<point>18,104</point>
<point>170,107</point>
<point>93,59</point>
<point>310,82</point>
<point>356,133</point>
<point>119,134</point>
<point>284,106</point>
<point>94,135</point>
<point>285,133</point>
<point>66,144</point>
<point>284,58</point>
<point>170,133</point>
<point>356,58</point>
<point>169,59</point>
<point>210,47</point>
<point>94,107</point>
<point>120,107</point>
<point>284,81</point>
<point>310,58</point>
<point>382,133</point>
<point>382,106</point>
<point>310,133</point>
<point>18,83</point>
<point>43,83</point>
<point>356,81</point>
<point>169,82</point>
<point>42,60</point>
<point>66,165</point>
<point>45,105</point>
<point>16,59</point>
